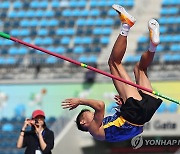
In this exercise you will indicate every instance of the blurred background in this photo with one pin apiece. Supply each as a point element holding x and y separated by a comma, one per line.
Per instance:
<point>84,30</point>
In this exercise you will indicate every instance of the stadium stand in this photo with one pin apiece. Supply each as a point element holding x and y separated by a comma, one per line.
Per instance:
<point>80,28</point>
<point>76,30</point>
<point>169,29</point>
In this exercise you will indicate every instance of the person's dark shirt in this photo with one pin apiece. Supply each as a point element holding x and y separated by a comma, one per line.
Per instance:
<point>31,141</point>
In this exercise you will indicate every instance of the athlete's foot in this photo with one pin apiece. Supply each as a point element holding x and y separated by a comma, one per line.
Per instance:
<point>153,26</point>
<point>125,17</point>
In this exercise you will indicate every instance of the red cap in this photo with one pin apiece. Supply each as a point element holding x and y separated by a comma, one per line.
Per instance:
<point>38,113</point>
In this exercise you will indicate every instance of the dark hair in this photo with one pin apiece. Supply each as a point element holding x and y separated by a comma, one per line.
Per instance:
<point>78,119</point>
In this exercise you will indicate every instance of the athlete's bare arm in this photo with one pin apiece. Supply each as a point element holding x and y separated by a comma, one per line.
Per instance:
<point>95,128</point>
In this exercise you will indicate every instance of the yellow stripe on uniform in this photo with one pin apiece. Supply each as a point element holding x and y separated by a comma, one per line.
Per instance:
<point>118,122</point>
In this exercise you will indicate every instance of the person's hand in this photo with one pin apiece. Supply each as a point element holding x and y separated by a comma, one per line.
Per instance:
<point>38,128</point>
<point>27,122</point>
<point>70,103</point>
<point>118,99</point>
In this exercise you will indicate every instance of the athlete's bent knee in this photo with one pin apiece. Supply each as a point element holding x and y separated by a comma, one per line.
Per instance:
<point>112,62</point>
<point>136,68</point>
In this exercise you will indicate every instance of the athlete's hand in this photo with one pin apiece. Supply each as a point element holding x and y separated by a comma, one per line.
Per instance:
<point>70,103</point>
<point>118,99</point>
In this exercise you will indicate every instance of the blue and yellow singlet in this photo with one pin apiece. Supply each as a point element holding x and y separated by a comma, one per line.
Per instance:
<point>118,129</point>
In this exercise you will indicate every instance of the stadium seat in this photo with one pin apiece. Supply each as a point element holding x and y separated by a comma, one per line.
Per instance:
<point>142,39</point>
<point>51,120</point>
<point>20,14</point>
<point>55,4</point>
<point>5,5</point>
<point>39,4</point>
<point>69,31</point>
<point>60,31</point>
<point>100,31</point>
<point>132,58</point>
<point>96,49</point>
<point>51,60</point>
<point>49,13</point>
<point>87,40</point>
<point>111,12</point>
<point>2,61</point>
<point>80,22</point>
<point>47,41</point>
<point>43,32</point>
<point>3,15</point>
<point>24,23</point>
<point>37,13</point>
<point>163,29</point>
<point>173,108</point>
<point>17,4</point>
<point>18,51</point>
<point>42,23</point>
<point>171,58</point>
<point>78,50</point>
<point>90,22</point>
<point>160,48</point>
<point>34,23</point>
<point>77,4</point>
<point>10,61</point>
<point>22,32</point>
<point>104,40</point>
<point>66,13</point>
<point>19,113</point>
<point>7,42</point>
<point>52,22</point>
<point>38,41</point>
<point>60,50</point>
<point>7,127</point>
<point>162,108</point>
<point>85,59</point>
<point>175,47</point>
<point>92,59</point>
<point>65,40</point>
<point>94,13</point>
<point>171,2</point>
<point>169,11</point>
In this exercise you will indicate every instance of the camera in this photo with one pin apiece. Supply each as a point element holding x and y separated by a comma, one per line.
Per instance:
<point>36,121</point>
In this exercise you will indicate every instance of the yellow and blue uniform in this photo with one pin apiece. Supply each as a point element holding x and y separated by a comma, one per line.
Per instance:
<point>118,129</point>
<point>129,121</point>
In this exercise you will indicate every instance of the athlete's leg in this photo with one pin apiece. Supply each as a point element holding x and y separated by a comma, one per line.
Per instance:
<point>140,69</point>
<point>118,51</point>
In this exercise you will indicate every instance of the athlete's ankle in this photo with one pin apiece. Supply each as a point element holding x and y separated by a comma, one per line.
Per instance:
<point>124,30</point>
<point>152,47</point>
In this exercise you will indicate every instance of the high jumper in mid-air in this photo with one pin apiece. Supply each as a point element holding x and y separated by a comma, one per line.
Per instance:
<point>136,106</point>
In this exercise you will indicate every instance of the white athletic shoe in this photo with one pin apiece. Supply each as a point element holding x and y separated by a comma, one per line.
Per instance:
<point>125,17</point>
<point>153,26</point>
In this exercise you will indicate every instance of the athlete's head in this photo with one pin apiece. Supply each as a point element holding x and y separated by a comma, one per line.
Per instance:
<point>84,119</point>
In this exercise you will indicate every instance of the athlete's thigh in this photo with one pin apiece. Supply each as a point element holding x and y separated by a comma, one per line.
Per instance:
<point>124,90</point>
<point>142,79</point>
